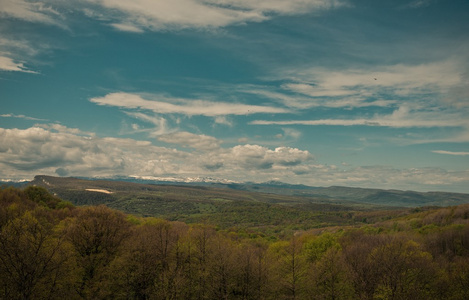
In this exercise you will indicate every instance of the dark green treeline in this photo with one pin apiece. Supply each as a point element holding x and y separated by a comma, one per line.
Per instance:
<point>50,249</point>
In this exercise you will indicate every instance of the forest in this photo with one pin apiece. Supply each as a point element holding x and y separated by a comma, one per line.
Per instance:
<point>51,249</point>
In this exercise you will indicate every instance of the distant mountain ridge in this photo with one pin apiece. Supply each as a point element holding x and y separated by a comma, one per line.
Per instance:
<point>396,198</point>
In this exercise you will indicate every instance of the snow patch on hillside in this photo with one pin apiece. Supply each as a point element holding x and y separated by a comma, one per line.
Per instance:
<point>99,191</point>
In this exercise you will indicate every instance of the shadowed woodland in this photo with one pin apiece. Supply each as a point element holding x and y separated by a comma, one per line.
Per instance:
<point>50,249</point>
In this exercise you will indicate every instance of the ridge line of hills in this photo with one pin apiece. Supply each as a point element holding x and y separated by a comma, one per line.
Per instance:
<point>336,194</point>
<point>268,207</point>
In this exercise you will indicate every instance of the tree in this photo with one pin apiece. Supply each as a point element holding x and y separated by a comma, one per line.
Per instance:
<point>41,196</point>
<point>405,271</point>
<point>198,247</point>
<point>35,260</point>
<point>251,270</point>
<point>288,268</point>
<point>96,234</point>
<point>362,272</point>
<point>150,264</point>
<point>327,277</point>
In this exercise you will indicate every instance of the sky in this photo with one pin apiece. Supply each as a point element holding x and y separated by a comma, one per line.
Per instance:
<point>359,93</point>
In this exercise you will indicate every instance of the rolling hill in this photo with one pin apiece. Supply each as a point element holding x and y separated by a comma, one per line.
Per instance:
<point>262,207</point>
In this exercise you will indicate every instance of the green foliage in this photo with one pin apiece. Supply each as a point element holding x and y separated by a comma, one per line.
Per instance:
<point>42,196</point>
<point>36,262</point>
<point>95,252</point>
<point>317,246</point>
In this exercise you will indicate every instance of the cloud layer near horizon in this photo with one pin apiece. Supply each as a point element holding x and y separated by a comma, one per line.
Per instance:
<point>56,149</point>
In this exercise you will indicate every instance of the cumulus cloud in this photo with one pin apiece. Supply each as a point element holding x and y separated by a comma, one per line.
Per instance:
<point>43,150</point>
<point>255,157</point>
<point>58,150</point>
<point>190,107</point>
<point>158,15</point>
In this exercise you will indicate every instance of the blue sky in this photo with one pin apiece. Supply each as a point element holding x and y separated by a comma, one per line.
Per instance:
<point>318,92</point>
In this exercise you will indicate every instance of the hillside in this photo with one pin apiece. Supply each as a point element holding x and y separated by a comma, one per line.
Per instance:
<point>222,207</point>
<point>334,194</point>
<point>50,249</point>
<point>396,198</point>
<point>270,207</point>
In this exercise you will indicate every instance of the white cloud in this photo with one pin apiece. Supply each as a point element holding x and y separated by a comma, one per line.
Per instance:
<point>55,149</point>
<point>312,87</point>
<point>255,157</point>
<point>16,53</point>
<point>36,12</point>
<point>160,123</point>
<point>402,117</point>
<point>18,45</point>
<point>21,117</point>
<point>451,152</point>
<point>179,14</point>
<point>330,99</point>
<point>39,150</point>
<point>190,107</point>
<point>190,140</point>
<point>404,78</point>
<point>127,27</point>
<point>289,132</point>
<point>380,86</point>
<point>8,64</point>
<point>58,128</point>
<point>223,120</point>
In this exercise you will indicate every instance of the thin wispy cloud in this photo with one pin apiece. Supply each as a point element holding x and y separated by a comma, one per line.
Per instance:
<point>300,101</point>
<point>401,80</point>
<point>380,86</point>
<point>21,117</point>
<point>9,64</point>
<point>190,107</point>
<point>451,152</point>
<point>160,124</point>
<point>140,15</point>
<point>36,12</point>
<point>127,27</point>
<point>400,118</point>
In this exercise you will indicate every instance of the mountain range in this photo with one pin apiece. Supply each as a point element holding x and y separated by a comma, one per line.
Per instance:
<point>302,193</point>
